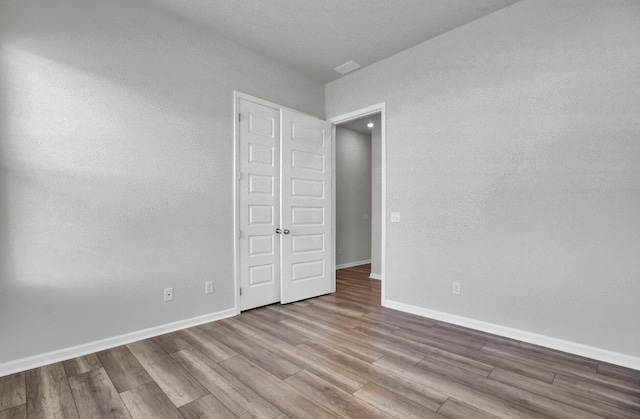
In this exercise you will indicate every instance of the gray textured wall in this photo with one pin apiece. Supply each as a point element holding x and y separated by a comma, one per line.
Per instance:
<point>116,167</point>
<point>513,158</point>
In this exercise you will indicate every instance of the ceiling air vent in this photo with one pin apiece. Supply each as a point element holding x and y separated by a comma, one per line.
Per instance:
<point>347,67</point>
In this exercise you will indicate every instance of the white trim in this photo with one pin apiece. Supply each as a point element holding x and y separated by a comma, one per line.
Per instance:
<point>370,110</point>
<point>375,276</point>
<point>352,264</point>
<point>71,352</point>
<point>333,207</point>
<point>522,335</point>
<point>236,213</point>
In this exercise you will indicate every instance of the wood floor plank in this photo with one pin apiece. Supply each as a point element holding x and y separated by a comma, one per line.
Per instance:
<point>233,393</point>
<point>564,396</point>
<point>241,328</point>
<point>532,401</point>
<point>455,409</point>
<point>149,401</point>
<point>442,335</point>
<point>314,314</point>
<point>578,362</point>
<point>81,365</point>
<point>598,392</point>
<point>172,342</point>
<point>465,364</point>
<point>334,374</point>
<point>521,367</point>
<point>96,397</point>
<point>49,394</point>
<point>331,397</point>
<point>612,383</point>
<point>338,309</point>
<point>273,328</point>
<point>551,365</point>
<point>179,386</point>
<point>379,346</point>
<point>206,344</point>
<point>465,331</point>
<point>393,404</point>
<point>622,373</point>
<point>269,361</point>
<point>395,382</point>
<point>318,335</point>
<point>123,368</point>
<point>288,399</point>
<point>452,388</point>
<point>13,391</point>
<point>433,353</point>
<point>16,412</point>
<point>396,318</point>
<point>270,314</point>
<point>207,407</point>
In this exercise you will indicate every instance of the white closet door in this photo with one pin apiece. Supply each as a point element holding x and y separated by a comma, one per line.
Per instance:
<point>259,204</point>
<point>305,202</point>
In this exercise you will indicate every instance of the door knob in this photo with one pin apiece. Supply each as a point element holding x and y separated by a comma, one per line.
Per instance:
<point>286,231</point>
<point>278,231</point>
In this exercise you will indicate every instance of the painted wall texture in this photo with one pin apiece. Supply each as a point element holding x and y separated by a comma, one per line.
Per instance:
<point>353,196</point>
<point>513,156</point>
<point>116,167</point>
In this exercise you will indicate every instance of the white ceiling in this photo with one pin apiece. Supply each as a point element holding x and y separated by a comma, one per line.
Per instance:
<point>314,36</point>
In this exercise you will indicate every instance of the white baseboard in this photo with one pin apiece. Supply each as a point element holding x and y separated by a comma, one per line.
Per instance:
<point>352,264</point>
<point>376,276</point>
<point>521,335</point>
<point>47,358</point>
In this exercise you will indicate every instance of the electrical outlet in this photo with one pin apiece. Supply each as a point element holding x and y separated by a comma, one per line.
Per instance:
<point>168,294</point>
<point>395,217</point>
<point>456,288</point>
<point>365,217</point>
<point>208,287</point>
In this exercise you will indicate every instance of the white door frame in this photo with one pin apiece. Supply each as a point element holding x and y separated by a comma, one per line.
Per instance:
<point>380,108</point>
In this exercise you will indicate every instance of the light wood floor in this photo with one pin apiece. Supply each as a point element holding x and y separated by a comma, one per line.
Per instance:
<point>338,355</point>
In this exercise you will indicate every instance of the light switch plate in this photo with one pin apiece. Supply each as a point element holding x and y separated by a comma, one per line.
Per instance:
<point>395,217</point>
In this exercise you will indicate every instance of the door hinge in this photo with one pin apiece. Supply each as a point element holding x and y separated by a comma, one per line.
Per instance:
<point>239,234</point>
<point>239,117</point>
<point>240,290</point>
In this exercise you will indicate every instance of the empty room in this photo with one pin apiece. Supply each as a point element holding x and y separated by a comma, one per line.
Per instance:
<point>197,222</point>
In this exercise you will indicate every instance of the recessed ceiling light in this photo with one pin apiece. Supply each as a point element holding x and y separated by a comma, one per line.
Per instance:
<point>347,67</point>
<point>370,124</point>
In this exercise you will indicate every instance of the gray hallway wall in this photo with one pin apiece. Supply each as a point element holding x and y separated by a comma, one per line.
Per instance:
<point>353,196</point>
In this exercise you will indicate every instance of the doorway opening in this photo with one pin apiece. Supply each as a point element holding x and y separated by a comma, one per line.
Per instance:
<point>360,192</point>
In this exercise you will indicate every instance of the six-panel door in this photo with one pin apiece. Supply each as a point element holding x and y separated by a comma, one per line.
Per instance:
<point>259,204</point>
<point>306,207</point>
<point>285,185</point>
